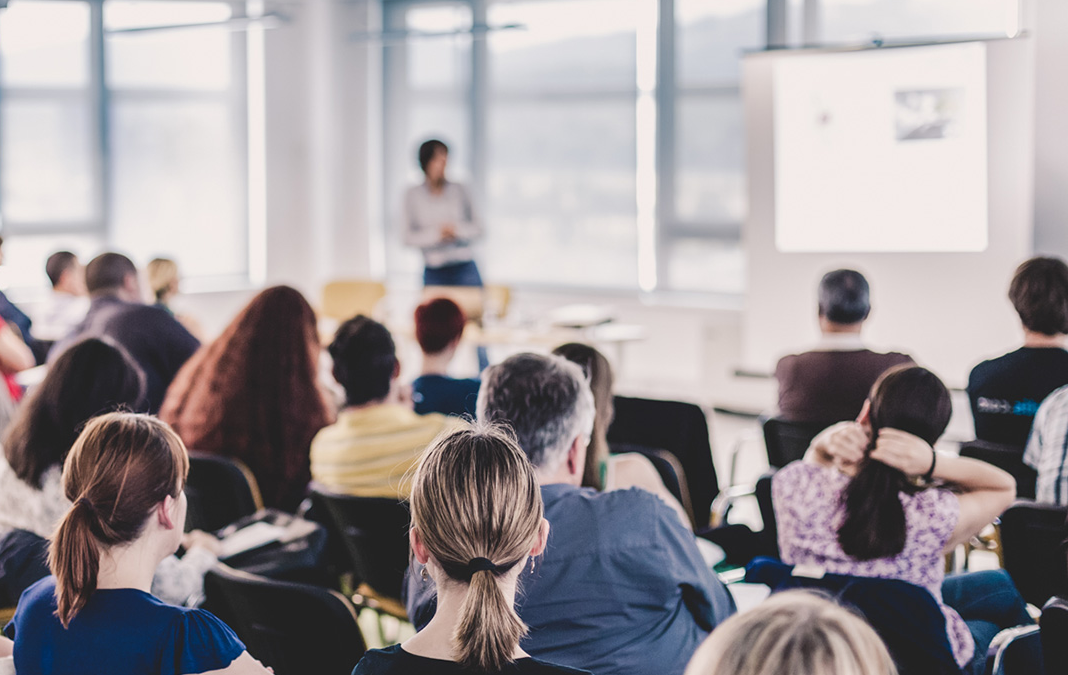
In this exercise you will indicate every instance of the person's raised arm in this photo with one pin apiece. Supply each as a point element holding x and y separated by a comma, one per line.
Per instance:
<point>15,356</point>
<point>985,490</point>
<point>242,665</point>
<point>839,446</point>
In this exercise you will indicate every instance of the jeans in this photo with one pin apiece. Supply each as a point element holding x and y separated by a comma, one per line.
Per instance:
<point>456,274</point>
<point>988,602</point>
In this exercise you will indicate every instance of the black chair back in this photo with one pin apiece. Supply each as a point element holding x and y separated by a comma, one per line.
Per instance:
<point>1008,458</point>
<point>23,562</point>
<point>679,428</point>
<point>787,441</point>
<point>1054,633</point>
<point>668,467</point>
<point>906,617</point>
<point>1031,538</point>
<point>371,534</point>
<point>1016,651</point>
<point>769,536</point>
<point>293,628</point>
<point>219,491</point>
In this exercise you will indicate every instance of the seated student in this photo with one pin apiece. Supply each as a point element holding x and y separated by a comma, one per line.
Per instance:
<point>68,302</point>
<point>1046,445</point>
<point>604,471</point>
<point>829,383</point>
<point>439,325</point>
<point>156,342</point>
<point>623,589</point>
<point>377,437</point>
<point>95,615</point>
<point>1005,392</point>
<point>852,507</point>
<point>476,522</point>
<point>793,633</point>
<point>253,395</point>
<point>165,284</point>
<point>11,314</point>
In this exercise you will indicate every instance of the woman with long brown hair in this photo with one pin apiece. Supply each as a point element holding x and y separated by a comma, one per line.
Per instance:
<point>95,615</point>
<point>476,521</point>
<point>252,394</point>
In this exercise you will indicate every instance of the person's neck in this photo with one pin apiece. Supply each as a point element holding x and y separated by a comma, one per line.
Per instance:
<point>1033,339</point>
<point>437,364</point>
<point>131,566</point>
<point>831,328</point>
<point>370,404</point>
<point>112,294</point>
<point>436,186</point>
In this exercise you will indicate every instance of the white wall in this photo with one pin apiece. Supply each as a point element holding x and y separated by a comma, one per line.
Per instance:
<point>1050,26</point>
<point>948,310</point>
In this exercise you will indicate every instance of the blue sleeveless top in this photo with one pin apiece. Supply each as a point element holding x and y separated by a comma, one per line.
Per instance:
<point>120,630</point>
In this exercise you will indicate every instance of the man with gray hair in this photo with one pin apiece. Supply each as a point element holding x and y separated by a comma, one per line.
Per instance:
<point>622,588</point>
<point>830,382</point>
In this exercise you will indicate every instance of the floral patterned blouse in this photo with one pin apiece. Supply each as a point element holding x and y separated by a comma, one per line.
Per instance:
<point>809,510</point>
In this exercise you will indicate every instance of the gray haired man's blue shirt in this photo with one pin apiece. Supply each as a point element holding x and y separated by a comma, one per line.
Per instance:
<point>620,590</point>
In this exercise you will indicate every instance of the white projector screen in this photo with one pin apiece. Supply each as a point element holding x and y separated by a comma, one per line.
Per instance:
<point>881,150</point>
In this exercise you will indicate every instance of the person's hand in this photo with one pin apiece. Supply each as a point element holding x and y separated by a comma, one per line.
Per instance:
<point>901,450</point>
<point>842,445</point>
<point>448,232</point>
<point>199,538</point>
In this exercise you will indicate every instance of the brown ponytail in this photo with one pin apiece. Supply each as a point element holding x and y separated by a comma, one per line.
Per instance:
<point>121,466</point>
<point>477,505</point>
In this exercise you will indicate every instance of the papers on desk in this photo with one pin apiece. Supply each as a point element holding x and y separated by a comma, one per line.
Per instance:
<point>260,534</point>
<point>580,316</point>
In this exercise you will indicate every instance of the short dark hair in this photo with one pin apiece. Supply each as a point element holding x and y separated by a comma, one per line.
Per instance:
<point>844,297</point>
<point>364,359</point>
<point>1039,292</point>
<point>427,151</point>
<point>108,271</point>
<point>58,263</point>
<point>437,323</point>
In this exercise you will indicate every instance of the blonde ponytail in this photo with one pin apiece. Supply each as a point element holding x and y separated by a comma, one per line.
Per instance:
<point>489,629</point>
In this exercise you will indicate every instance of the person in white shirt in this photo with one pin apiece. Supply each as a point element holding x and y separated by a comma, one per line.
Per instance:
<point>69,301</point>
<point>441,221</point>
<point>1047,448</point>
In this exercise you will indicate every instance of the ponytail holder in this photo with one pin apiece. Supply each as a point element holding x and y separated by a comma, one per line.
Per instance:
<point>480,565</point>
<point>85,500</point>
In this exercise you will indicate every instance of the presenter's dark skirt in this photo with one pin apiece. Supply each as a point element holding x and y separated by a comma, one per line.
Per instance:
<point>456,274</point>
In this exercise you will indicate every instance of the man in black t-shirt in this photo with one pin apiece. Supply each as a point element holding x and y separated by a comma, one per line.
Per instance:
<point>1005,392</point>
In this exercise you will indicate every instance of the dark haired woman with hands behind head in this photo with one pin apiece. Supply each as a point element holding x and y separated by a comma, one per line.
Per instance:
<point>477,525</point>
<point>861,503</point>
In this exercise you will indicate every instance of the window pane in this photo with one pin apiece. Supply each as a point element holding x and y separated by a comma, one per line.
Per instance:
<point>711,37</point>
<point>25,256</point>
<point>574,45</point>
<point>441,62</point>
<point>561,184</point>
<point>167,59</point>
<point>45,44</point>
<point>706,265</point>
<point>854,21</point>
<point>710,155</point>
<point>177,188</point>
<point>47,159</point>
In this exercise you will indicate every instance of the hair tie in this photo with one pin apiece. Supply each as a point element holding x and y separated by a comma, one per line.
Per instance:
<point>85,500</point>
<point>480,565</point>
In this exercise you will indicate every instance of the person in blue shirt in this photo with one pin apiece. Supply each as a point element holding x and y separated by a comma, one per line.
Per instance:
<point>439,325</point>
<point>622,588</point>
<point>95,615</point>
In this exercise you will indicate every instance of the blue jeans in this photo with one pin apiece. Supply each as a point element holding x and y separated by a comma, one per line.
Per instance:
<point>456,274</point>
<point>988,602</point>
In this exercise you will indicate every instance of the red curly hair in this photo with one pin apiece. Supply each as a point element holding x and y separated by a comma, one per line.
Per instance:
<point>252,394</point>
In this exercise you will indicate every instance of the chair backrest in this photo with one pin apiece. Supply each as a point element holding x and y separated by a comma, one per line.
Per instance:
<point>906,617</point>
<point>679,428</point>
<point>668,467</point>
<point>787,441</point>
<point>1054,625</point>
<point>219,490</point>
<point>1031,542</point>
<point>372,535</point>
<point>769,536</point>
<point>345,298</point>
<point>23,562</point>
<point>293,628</point>
<point>1008,458</point>
<point>1016,651</point>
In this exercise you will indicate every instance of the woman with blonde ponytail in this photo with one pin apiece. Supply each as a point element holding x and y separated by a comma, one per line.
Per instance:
<point>476,526</point>
<point>95,614</point>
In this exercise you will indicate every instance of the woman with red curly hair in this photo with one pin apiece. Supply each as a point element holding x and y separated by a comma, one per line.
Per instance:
<point>252,395</point>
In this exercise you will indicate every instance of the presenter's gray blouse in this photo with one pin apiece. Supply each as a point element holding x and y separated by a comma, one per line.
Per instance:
<point>425,213</point>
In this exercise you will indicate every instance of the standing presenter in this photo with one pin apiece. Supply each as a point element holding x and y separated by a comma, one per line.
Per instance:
<point>440,220</point>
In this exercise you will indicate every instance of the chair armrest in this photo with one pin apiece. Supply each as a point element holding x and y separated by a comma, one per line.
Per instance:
<point>724,501</point>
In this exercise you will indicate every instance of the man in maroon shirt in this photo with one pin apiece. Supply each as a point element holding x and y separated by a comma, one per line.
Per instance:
<point>829,383</point>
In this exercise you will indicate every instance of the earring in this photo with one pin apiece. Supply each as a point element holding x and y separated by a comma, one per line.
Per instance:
<point>423,573</point>
<point>533,561</point>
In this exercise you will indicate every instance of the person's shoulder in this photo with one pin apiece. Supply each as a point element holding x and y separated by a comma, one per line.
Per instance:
<point>532,666</point>
<point>41,591</point>
<point>384,661</point>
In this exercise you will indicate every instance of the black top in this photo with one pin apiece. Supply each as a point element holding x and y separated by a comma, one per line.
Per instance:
<point>1005,392</point>
<point>395,661</point>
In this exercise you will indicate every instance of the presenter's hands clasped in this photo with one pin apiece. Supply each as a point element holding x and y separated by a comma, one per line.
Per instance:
<point>901,450</point>
<point>448,232</point>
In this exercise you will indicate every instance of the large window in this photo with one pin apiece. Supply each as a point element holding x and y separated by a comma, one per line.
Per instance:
<point>121,131</point>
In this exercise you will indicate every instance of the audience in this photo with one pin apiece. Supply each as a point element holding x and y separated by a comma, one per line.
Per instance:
<point>1046,446</point>
<point>1005,392</point>
<point>793,633</point>
<point>829,383</point>
<point>252,395</point>
<point>124,477</point>
<point>377,438</point>
<point>603,471</point>
<point>164,282</point>
<point>852,507</point>
<point>476,521</point>
<point>439,325</point>
<point>156,342</point>
<point>68,302</point>
<point>623,588</point>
